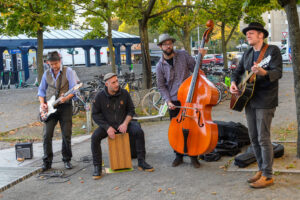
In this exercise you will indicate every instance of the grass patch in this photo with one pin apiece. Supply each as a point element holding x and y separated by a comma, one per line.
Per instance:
<point>287,132</point>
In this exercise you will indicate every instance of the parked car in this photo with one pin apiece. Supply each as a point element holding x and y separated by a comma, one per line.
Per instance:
<point>212,59</point>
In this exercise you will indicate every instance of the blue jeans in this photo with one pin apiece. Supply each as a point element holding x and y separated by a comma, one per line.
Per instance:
<point>259,124</point>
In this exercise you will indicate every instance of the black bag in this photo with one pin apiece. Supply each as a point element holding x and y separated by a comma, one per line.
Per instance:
<point>245,159</point>
<point>210,157</point>
<point>233,131</point>
<point>227,148</point>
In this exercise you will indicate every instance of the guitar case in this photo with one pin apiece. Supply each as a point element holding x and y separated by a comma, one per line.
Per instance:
<point>247,158</point>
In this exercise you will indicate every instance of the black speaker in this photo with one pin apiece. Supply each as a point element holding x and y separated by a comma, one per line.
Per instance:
<point>24,150</point>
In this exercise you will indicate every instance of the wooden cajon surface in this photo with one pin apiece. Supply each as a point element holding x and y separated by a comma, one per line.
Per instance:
<point>119,152</point>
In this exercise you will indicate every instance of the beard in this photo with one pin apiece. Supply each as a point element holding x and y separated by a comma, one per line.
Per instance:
<point>168,53</point>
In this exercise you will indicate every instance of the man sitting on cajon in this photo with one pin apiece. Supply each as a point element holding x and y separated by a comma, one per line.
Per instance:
<point>112,111</point>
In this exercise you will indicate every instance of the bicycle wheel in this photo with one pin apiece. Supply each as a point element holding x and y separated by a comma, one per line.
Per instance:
<point>135,96</point>
<point>75,107</point>
<point>151,103</point>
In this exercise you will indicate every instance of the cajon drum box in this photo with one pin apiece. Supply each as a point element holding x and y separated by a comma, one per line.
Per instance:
<point>119,152</point>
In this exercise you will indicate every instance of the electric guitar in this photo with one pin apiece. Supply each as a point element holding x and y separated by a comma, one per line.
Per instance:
<point>246,88</point>
<point>53,102</point>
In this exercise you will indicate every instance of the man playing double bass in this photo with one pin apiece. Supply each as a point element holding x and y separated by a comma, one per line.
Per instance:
<point>171,71</point>
<point>261,107</point>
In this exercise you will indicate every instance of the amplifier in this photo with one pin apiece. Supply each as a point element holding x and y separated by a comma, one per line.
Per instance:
<point>24,150</point>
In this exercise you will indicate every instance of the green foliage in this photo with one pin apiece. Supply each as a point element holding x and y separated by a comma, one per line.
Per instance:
<point>29,16</point>
<point>96,12</point>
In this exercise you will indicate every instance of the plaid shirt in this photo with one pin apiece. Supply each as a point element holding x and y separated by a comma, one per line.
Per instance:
<point>169,78</point>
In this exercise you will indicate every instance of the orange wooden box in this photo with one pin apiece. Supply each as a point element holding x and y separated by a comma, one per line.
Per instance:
<point>119,152</point>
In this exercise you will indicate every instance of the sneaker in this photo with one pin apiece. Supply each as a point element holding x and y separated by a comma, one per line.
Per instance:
<point>46,166</point>
<point>255,177</point>
<point>143,166</point>
<point>262,182</point>
<point>178,160</point>
<point>195,162</point>
<point>97,172</point>
<point>68,165</point>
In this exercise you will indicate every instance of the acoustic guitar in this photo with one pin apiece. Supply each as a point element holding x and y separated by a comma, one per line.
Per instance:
<point>246,88</point>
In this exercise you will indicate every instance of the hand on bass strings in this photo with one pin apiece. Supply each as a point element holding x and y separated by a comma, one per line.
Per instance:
<point>171,105</point>
<point>258,70</point>
<point>111,132</point>
<point>202,51</point>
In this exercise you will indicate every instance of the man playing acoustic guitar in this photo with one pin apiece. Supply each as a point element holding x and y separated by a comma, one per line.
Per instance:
<point>55,82</point>
<point>261,107</point>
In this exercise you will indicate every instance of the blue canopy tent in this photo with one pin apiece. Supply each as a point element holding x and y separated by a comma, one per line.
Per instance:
<point>55,39</point>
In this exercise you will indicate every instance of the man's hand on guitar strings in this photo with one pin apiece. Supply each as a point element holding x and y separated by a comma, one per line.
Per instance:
<point>258,70</point>
<point>234,89</point>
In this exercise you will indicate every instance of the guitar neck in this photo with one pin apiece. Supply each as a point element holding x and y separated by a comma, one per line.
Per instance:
<point>66,94</point>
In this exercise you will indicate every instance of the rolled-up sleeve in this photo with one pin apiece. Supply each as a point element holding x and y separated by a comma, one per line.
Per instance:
<point>71,78</point>
<point>43,86</point>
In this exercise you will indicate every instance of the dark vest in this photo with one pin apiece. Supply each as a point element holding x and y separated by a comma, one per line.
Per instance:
<point>64,87</point>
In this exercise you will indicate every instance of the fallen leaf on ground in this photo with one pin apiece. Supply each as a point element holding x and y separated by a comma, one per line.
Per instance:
<point>81,181</point>
<point>173,192</point>
<point>69,182</point>
<point>11,132</point>
<point>214,193</point>
<point>159,190</point>
<point>129,189</point>
<point>116,188</point>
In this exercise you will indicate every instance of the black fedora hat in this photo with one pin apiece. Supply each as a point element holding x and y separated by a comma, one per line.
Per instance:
<point>256,26</point>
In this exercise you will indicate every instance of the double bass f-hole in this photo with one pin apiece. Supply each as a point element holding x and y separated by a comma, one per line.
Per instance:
<point>183,115</point>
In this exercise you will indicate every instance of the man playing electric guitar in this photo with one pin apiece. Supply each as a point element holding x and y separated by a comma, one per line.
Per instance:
<point>56,81</point>
<point>261,107</point>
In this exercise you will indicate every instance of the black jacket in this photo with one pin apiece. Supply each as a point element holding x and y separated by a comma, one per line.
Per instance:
<point>111,110</point>
<point>265,94</point>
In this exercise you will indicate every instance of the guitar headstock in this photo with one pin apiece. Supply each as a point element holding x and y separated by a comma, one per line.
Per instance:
<point>76,87</point>
<point>265,61</point>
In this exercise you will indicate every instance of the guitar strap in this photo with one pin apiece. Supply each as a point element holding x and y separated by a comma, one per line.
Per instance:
<point>59,84</point>
<point>262,53</point>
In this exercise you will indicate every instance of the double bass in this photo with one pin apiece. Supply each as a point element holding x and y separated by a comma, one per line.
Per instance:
<point>192,131</point>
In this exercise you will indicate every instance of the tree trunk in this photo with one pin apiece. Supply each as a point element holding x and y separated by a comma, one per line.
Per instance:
<point>110,46</point>
<point>187,41</point>
<point>40,48</point>
<point>224,44</point>
<point>143,29</point>
<point>293,23</point>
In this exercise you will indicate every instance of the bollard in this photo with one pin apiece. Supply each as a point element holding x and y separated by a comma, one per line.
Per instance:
<point>88,117</point>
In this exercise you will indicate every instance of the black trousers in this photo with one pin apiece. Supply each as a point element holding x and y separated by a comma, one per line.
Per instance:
<point>64,116</point>
<point>134,130</point>
<point>174,113</point>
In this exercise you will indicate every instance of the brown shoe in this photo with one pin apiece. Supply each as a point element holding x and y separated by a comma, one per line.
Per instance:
<point>195,162</point>
<point>255,177</point>
<point>262,182</point>
<point>178,160</point>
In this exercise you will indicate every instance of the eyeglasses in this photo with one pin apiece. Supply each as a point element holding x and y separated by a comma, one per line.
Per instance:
<point>167,45</point>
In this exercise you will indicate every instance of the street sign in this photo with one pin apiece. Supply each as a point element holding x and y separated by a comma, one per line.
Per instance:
<point>284,34</point>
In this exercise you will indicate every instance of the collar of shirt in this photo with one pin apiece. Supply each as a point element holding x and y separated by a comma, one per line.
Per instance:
<point>52,73</point>
<point>163,60</point>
